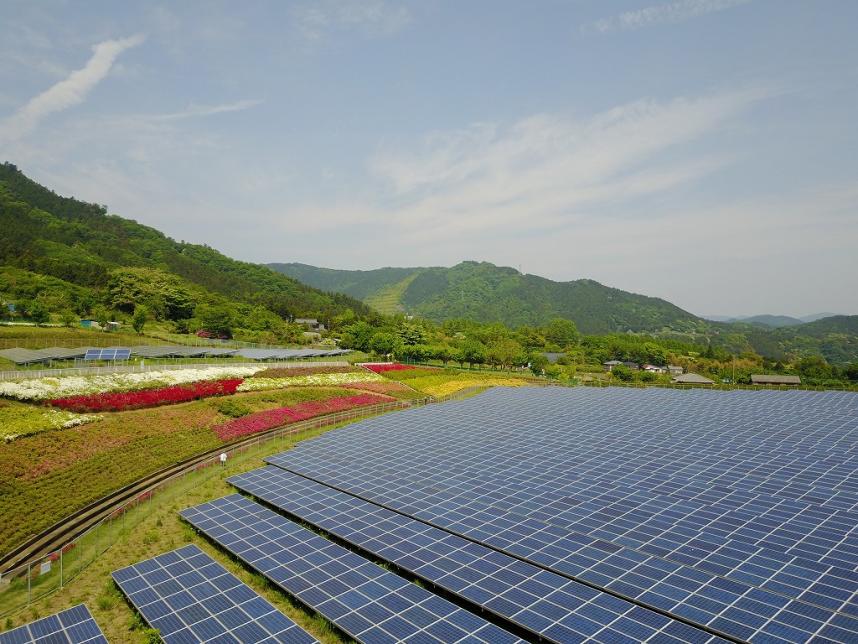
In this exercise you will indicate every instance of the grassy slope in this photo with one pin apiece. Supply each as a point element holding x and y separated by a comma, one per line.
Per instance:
<point>388,299</point>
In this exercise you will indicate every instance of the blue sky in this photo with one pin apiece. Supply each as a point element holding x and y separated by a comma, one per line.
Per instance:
<point>697,150</point>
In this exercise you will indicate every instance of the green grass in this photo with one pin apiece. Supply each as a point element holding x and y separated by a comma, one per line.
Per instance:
<point>388,300</point>
<point>147,530</point>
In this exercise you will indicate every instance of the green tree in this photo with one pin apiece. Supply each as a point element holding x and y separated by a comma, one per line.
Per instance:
<point>621,372</point>
<point>473,352</point>
<point>383,343</point>
<point>538,363</point>
<point>215,318</point>
<point>410,334</point>
<point>68,318</point>
<point>138,320</point>
<point>562,332</point>
<point>38,313</point>
<point>504,352</point>
<point>101,316</point>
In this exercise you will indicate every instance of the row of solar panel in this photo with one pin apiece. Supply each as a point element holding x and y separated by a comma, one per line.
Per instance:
<point>543,603</point>
<point>745,519</point>
<point>29,356</point>
<point>72,626</point>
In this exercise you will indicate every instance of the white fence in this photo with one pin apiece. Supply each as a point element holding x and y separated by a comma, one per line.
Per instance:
<point>25,374</point>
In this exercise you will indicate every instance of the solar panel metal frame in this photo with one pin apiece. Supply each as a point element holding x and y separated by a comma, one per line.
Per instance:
<point>370,604</point>
<point>625,506</point>
<point>550,606</point>
<point>75,625</point>
<point>188,596</point>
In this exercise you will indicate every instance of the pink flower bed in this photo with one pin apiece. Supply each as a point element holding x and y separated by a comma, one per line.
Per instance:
<point>382,368</point>
<point>271,418</point>
<point>121,401</point>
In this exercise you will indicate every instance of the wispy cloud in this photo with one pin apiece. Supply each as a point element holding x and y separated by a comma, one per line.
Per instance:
<point>68,92</point>
<point>207,110</point>
<point>370,17</point>
<point>546,171</point>
<point>663,13</point>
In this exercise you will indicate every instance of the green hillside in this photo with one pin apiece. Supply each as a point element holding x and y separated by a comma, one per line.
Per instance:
<point>45,234</point>
<point>488,293</point>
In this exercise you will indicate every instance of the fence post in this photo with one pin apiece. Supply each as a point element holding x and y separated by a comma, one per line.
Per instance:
<point>61,567</point>
<point>29,582</point>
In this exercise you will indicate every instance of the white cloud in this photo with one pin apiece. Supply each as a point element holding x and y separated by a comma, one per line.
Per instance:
<point>370,17</point>
<point>663,13</point>
<point>68,92</point>
<point>544,170</point>
<point>207,110</point>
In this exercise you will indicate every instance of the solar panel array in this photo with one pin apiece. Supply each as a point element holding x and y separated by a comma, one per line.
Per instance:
<point>735,510</point>
<point>367,602</point>
<point>111,353</point>
<point>31,356</point>
<point>72,626</point>
<point>189,597</point>
<point>548,605</point>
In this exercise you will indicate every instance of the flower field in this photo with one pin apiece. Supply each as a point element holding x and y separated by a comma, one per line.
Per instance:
<point>17,420</point>
<point>272,418</point>
<point>384,368</point>
<point>441,386</point>
<point>122,401</point>
<point>48,475</point>
<point>37,389</point>
<point>388,387</point>
<point>315,380</point>
<point>275,372</point>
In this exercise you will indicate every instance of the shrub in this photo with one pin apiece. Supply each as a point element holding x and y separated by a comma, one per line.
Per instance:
<point>233,408</point>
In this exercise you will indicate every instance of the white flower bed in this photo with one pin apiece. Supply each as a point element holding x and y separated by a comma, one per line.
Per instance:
<point>49,388</point>
<point>318,380</point>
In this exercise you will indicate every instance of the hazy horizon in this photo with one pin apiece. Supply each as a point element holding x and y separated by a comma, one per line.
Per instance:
<point>700,151</point>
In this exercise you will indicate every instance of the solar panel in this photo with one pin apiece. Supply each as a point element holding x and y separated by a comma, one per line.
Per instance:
<point>110,353</point>
<point>153,351</point>
<point>367,602</point>
<point>737,510</point>
<point>72,626</point>
<point>22,356</point>
<point>189,597</point>
<point>546,604</point>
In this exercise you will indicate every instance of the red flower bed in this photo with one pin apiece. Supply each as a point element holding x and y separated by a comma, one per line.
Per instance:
<point>260,421</point>
<point>382,368</point>
<point>121,401</point>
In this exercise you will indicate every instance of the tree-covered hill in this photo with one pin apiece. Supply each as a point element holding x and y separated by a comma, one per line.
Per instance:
<point>47,234</point>
<point>487,293</point>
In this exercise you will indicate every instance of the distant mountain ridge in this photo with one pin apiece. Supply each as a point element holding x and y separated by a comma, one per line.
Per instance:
<point>771,321</point>
<point>488,293</point>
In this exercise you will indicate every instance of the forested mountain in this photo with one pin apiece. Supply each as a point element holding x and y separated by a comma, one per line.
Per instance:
<point>487,293</point>
<point>79,243</point>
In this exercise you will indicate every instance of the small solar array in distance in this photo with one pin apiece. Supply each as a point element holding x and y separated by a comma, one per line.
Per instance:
<point>189,597</point>
<point>737,510</point>
<point>370,604</point>
<point>111,353</point>
<point>548,605</point>
<point>72,626</point>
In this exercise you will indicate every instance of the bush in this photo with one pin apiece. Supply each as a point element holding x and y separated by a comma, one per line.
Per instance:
<point>233,408</point>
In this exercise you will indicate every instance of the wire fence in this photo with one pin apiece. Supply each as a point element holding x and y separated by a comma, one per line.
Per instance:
<point>143,367</point>
<point>47,573</point>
